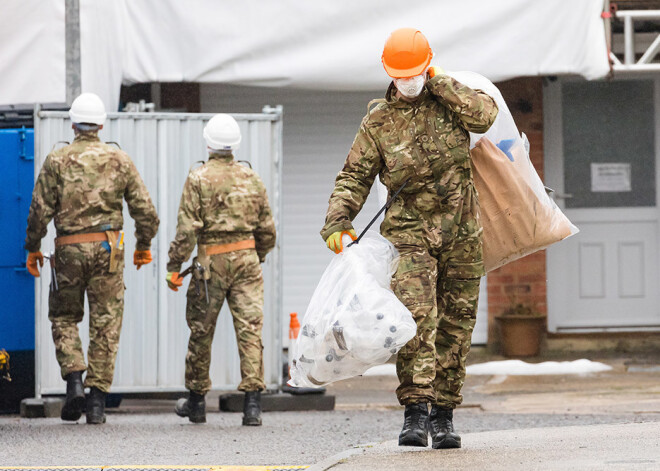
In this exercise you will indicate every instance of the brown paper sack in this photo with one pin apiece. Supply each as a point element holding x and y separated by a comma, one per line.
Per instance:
<point>517,220</point>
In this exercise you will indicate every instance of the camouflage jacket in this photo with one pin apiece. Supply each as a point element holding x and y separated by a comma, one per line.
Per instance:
<point>83,186</point>
<point>222,202</point>
<point>424,142</point>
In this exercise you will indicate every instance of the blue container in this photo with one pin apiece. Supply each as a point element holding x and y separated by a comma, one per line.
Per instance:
<point>16,284</point>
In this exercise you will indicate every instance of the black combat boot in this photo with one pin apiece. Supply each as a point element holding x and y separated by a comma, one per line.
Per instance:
<point>442,428</point>
<point>194,408</point>
<point>95,406</point>
<point>252,408</point>
<point>75,397</point>
<point>415,425</point>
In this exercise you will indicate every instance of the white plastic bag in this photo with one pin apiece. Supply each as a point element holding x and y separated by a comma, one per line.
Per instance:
<point>518,215</point>
<point>354,321</point>
<point>503,132</point>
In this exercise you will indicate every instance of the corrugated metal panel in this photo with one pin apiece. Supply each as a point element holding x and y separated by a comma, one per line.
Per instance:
<point>318,132</point>
<point>154,336</point>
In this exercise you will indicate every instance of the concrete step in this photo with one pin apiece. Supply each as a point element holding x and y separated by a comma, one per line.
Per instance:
<point>33,407</point>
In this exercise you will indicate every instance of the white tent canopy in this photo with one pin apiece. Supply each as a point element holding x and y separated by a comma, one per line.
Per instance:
<point>32,65</point>
<point>319,45</point>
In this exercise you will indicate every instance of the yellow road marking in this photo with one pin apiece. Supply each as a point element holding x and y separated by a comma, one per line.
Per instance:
<point>164,467</point>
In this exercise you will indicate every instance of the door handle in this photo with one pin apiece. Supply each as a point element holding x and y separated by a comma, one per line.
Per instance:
<point>555,195</point>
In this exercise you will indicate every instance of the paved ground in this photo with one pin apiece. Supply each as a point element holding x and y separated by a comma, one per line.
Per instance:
<point>586,447</point>
<point>501,418</point>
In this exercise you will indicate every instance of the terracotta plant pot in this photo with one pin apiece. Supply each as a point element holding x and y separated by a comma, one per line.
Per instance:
<point>521,334</point>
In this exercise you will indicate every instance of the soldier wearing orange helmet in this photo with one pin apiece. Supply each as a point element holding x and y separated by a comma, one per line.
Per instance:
<point>417,138</point>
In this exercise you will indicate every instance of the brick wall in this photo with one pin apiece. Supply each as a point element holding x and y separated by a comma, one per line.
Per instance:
<point>523,280</point>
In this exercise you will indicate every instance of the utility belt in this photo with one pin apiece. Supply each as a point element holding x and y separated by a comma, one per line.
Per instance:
<point>115,240</point>
<point>201,265</point>
<point>226,248</point>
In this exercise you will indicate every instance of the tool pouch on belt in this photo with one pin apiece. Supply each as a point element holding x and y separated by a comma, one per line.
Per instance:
<point>116,242</point>
<point>205,261</point>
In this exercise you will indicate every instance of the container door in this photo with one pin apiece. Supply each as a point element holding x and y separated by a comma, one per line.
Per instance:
<point>17,314</point>
<point>16,182</point>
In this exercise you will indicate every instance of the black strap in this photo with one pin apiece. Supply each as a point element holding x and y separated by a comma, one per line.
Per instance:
<point>387,205</point>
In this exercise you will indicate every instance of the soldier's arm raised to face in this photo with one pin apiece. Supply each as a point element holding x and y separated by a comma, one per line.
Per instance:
<point>353,182</point>
<point>475,109</point>
<point>189,222</point>
<point>141,208</point>
<point>264,234</point>
<point>43,206</point>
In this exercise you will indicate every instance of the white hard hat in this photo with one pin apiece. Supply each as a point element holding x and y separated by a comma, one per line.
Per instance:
<point>222,132</point>
<point>87,108</point>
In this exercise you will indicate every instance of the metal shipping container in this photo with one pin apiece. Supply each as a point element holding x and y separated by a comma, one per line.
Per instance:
<point>154,339</point>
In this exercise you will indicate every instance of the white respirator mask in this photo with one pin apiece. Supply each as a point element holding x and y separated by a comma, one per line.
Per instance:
<point>410,87</point>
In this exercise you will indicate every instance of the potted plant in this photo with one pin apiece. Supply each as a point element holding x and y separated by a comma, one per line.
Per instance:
<point>521,328</point>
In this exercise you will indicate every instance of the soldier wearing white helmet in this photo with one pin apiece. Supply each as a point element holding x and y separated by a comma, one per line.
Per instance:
<point>82,186</point>
<point>224,211</point>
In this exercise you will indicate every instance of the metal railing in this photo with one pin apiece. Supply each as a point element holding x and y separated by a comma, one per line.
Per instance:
<point>644,63</point>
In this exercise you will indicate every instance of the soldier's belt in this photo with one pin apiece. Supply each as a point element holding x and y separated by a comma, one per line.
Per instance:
<point>114,238</point>
<point>83,238</point>
<point>226,248</point>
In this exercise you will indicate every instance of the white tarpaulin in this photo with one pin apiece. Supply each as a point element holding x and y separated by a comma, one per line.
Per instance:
<point>32,51</point>
<point>321,45</point>
<point>103,47</point>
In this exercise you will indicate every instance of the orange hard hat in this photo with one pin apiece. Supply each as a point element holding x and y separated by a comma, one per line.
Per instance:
<point>406,53</point>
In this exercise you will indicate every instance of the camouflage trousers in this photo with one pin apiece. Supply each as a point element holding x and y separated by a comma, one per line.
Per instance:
<point>442,292</point>
<point>83,268</point>
<point>236,276</point>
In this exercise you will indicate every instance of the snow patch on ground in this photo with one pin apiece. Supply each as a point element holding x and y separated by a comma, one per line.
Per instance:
<point>514,367</point>
<point>388,369</point>
<point>519,367</point>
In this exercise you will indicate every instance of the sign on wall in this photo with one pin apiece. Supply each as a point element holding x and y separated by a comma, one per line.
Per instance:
<point>610,177</point>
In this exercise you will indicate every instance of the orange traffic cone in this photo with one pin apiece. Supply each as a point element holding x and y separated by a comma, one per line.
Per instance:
<point>294,326</point>
<point>294,329</point>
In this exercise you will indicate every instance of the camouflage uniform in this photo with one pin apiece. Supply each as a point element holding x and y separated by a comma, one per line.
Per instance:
<point>224,202</point>
<point>83,186</point>
<point>434,223</point>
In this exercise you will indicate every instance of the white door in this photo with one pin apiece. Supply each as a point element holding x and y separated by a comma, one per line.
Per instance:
<point>601,149</point>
